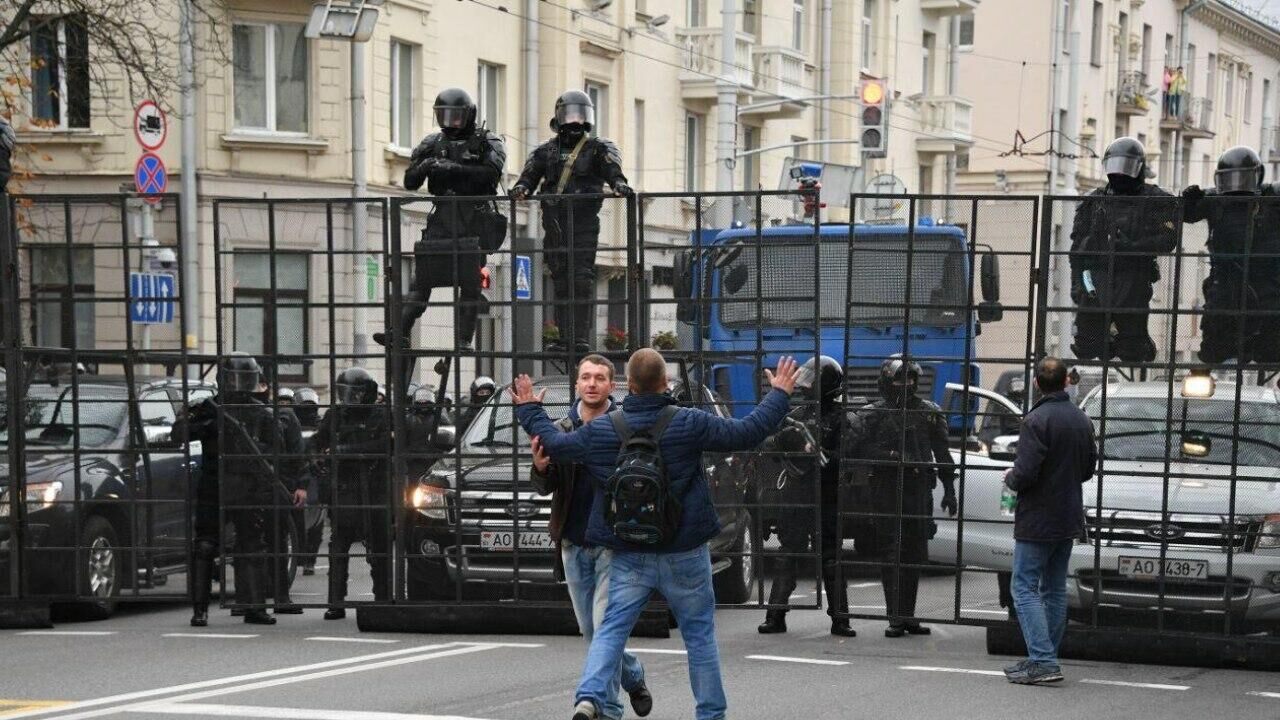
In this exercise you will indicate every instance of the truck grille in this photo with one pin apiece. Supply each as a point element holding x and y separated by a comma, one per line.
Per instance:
<point>1183,531</point>
<point>864,382</point>
<point>1116,587</point>
<point>503,510</point>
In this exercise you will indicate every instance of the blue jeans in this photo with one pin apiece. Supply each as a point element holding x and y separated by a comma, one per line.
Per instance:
<point>1040,595</point>
<point>684,579</point>
<point>586,572</point>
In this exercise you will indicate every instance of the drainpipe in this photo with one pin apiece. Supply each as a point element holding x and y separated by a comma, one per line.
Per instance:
<point>953,89</point>
<point>1062,243</point>
<point>824,111</point>
<point>188,207</point>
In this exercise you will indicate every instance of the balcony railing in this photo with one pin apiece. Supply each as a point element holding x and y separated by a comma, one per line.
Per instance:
<point>1193,114</point>
<point>781,72</point>
<point>702,57</point>
<point>946,119</point>
<point>1131,94</point>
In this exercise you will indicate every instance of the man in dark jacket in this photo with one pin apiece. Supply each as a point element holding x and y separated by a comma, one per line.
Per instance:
<point>573,163</point>
<point>1056,455</point>
<point>679,569</point>
<point>585,567</point>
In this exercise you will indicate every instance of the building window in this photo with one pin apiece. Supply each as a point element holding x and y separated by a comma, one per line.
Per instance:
<point>927,43</point>
<point>800,149</point>
<point>750,163</point>
<point>1095,44</point>
<point>797,24</point>
<point>272,323</point>
<point>60,70</point>
<point>965,41</point>
<point>1122,54</point>
<point>599,95</point>
<point>1266,103</point>
<point>617,312</point>
<point>695,13</point>
<point>489,96</point>
<point>404,95</point>
<point>61,297</point>
<point>270,77</point>
<point>1168,50</point>
<point>1248,97</point>
<point>637,144</point>
<point>1229,90</point>
<point>751,17</point>
<point>868,33</point>
<point>1146,51</point>
<point>692,152</point>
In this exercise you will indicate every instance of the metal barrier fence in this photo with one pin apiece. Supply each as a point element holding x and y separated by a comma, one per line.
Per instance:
<point>1181,521</point>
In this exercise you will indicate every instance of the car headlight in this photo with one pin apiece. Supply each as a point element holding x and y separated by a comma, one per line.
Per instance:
<point>432,501</point>
<point>37,496</point>
<point>1269,536</point>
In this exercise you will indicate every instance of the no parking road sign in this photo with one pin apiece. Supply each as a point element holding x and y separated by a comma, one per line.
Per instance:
<point>150,176</point>
<point>151,298</point>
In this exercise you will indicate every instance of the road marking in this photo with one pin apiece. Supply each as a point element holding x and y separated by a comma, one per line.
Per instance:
<point>656,651</point>
<point>246,711</point>
<point>966,671</point>
<point>1001,613</point>
<point>156,692</point>
<point>1264,694</point>
<point>806,661</point>
<point>70,633</point>
<point>216,636</point>
<point>288,680</point>
<point>865,585</point>
<point>8,707</point>
<point>353,640</point>
<point>1149,686</point>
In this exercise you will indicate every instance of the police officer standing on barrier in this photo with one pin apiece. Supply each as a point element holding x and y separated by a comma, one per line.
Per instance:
<point>1119,231</point>
<point>239,445</point>
<point>899,434</point>
<point>358,435</point>
<point>572,163</point>
<point>465,160</point>
<point>816,426</point>
<point>1244,269</point>
<point>482,388</point>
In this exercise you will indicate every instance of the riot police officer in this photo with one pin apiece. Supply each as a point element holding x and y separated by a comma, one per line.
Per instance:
<point>1242,292</point>
<point>1119,231</point>
<point>307,408</point>
<point>573,162</point>
<point>243,446</point>
<point>466,160</point>
<point>357,433</point>
<point>903,438</point>
<point>482,388</point>
<point>816,426</point>
<point>423,445</point>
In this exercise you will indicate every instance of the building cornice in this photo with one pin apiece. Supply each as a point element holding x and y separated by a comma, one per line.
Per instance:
<point>1227,19</point>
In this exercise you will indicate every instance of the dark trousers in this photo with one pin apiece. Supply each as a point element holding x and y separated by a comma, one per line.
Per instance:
<point>572,262</point>
<point>795,535</point>
<point>903,528</point>
<point>252,543</point>
<point>311,539</point>
<point>1227,332</point>
<point>1126,305</point>
<point>341,537</point>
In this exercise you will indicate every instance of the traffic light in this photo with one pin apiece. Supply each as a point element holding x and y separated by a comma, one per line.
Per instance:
<point>875,119</point>
<point>485,280</point>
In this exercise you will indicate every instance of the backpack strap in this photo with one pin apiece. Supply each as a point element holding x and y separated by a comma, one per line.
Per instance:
<point>620,426</point>
<point>664,419</point>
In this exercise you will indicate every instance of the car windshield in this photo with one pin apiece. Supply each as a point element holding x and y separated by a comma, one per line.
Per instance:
<point>1137,428</point>
<point>50,415</point>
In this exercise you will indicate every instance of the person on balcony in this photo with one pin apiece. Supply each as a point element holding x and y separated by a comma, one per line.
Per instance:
<point>1177,88</point>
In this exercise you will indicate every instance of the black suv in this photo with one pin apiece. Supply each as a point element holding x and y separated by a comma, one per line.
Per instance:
<point>463,516</point>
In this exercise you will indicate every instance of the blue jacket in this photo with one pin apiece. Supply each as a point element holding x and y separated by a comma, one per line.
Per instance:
<point>1056,455</point>
<point>690,433</point>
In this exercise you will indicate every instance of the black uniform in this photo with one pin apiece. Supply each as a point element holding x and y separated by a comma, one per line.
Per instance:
<point>573,228</point>
<point>1243,229</point>
<point>355,486</point>
<point>482,388</point>
<point>1118,233</point>
<point>422,448</point>
<point>902,496</point>
<point>452,250</point>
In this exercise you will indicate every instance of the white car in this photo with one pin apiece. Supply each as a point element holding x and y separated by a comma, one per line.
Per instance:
<point>1160,514</point>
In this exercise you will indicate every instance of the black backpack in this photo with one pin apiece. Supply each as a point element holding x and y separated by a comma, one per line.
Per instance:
<point>639,507</point>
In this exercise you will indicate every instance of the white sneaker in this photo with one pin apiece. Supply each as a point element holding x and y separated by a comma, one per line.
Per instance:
<point>584,710</point>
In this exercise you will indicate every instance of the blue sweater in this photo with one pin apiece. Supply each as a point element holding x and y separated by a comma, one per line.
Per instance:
<point>690,433</point>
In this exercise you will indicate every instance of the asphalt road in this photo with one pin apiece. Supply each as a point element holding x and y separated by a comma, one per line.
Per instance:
<point>146,663</point>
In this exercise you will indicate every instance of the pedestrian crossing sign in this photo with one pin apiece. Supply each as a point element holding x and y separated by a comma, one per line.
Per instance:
<point>524,277</point>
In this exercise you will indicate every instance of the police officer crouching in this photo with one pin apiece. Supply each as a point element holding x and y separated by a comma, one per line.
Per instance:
<point>1119,231</point>
<point>354,485</point>
<point>904,438</point>
<point>571,163</point>
<point>821,422</point>
<point>466,160</point>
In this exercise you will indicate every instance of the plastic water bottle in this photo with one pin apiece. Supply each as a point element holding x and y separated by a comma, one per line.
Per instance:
<point>1008,501</point>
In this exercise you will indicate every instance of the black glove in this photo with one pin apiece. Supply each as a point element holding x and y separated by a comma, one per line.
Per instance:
<point>949,501</point>
<point>791,439</point>
<point>621,189</point>
<point>1121,242</point>
<point>1192,193</point>
<point>519,192</point>
<point>439,168</point>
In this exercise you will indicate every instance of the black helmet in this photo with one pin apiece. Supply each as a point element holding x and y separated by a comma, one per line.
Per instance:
<point>826,374</point>
<point>1126,156</point>
<point>355,386</point>
<point>899,378</point>
<point>1240,171</point>
<point>455,112</point>
<point>482,388</point>
<point>574,107</point>
<point>240,373</point>
<point>424,396</point>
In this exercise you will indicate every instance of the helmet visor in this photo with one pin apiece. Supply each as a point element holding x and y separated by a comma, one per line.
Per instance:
<point>575,113</point>
<point>806,378</point>
<point>1236,180</point>
<point>452,118</point>
<point>351,394</point>
<point>241,381</point>
<point>1123,165</point>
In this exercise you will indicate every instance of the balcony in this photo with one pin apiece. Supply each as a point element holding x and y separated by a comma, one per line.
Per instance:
<point>1194,119</point>
<point>1131,94</point>
<point>943,8</point>
<point>946,124</point>
<point>701,62</point>
<point>781,73</point>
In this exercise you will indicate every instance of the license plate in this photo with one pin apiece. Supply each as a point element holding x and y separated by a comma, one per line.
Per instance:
<point>1141,567</point>
<point>503,540</point>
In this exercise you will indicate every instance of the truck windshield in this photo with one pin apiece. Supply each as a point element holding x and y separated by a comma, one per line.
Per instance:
<point>879,282</point>
<point>1136,430</point>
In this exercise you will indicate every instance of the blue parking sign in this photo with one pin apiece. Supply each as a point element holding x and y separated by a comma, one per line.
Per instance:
<point>524,277</point>
<point>151,298</point>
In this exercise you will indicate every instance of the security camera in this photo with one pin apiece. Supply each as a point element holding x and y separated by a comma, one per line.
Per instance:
<point>166,258</point>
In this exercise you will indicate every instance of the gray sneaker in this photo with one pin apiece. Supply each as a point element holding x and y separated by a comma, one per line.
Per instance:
<point>584,710</point>
<point>1019,667</point>
<point>1037,674</point>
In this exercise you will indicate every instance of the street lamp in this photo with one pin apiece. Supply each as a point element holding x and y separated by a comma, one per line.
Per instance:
<point>352,21</point>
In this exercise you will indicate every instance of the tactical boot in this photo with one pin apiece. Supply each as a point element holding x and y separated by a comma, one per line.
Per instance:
<point>840,628</point>
<point>256,583</point>
<point>335,614</point>
<point>200,615</point>
<point>775,621</point>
